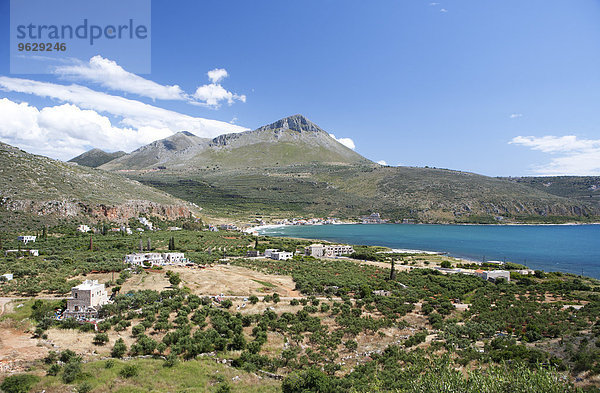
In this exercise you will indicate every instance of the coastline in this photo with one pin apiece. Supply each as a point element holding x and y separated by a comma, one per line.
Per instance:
<point>580,257</point>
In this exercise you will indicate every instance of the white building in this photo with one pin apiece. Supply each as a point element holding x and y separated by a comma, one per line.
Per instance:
<point>493,274</point>
<point>281,255</point>
<point>144,221</point>
<point>26,239</point>
<point>35,253</point>
<point>327,250</point>
<point>86,299</point>
<point>174,257</point>
<point>270,251</point>
<point>155,259</point>
<point>7,276</point>
<point>83,228</point>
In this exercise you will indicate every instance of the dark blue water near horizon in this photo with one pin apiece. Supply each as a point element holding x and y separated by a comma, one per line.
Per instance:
<point>566,248</point>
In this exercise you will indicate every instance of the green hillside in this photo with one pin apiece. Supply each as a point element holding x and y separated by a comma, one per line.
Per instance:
<point>96,157</point>
<point>294,168</point>
<point>583,188</point>
<point>41,187</point>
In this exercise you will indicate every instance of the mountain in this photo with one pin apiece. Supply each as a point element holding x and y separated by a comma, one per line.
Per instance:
<point>294,168</point>
<point>34,187</point>
<point>290,141</point>
<point>96,157</point>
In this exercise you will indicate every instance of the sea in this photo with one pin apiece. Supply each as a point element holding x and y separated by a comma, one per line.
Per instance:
<point>565,248</point>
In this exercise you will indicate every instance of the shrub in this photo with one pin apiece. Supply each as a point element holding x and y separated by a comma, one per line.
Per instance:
<point>100,339</point>
<point>71,371</point>
<point>119,349</point>
<point>227,303</point>
<point>84,387</point>
<point>21,383</point>
<point>53,370</point>
<point>129,371</point>
<point>67,355</point>
<point>253,299</point>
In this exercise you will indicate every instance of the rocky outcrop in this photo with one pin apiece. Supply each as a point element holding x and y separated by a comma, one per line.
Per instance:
<point>120,213</point>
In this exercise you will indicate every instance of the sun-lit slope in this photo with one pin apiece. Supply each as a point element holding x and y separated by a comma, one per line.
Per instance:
<point>43,186</point>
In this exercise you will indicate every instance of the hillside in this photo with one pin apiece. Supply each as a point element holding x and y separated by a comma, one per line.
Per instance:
<point>96,157</point>
<point>583,188</point>
<point>36,186</point>
<point>290,141</point>
<point>294,168</point>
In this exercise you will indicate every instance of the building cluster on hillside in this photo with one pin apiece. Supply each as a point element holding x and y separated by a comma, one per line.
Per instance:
<point>327,250</point>
<point>86,228</point>
<point>308,221</point>
<point>86,300</point>
<point>155,259</point>
<point>271,253</point>
<point>314,250</point>
<point>147,223</point>
<point>373,218</point>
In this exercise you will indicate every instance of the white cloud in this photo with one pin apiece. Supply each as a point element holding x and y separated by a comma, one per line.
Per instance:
<point>109,74</point>
<point>65,131</point>
<point>575,156</point>
<point>433,4</point>
<point>212,94</point>
<point>134,113</point>
<point>217,75</point>
<point>443,10</point>
<point>382,162</point>
<point>349,143</point>
<point>515,115</point>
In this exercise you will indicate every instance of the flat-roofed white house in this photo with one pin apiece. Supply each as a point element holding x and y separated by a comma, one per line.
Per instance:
<point>86,299</point>
<point>270,251</point>
<point>26,239</point>
<point>327,250</point>
<point>493,274</point>
<point>35,253</point>
<point>282,255</point>
<point>155,258</point>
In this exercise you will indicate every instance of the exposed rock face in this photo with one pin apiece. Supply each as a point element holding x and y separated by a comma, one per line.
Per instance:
<point>117,213</point>
<point>296,123</point>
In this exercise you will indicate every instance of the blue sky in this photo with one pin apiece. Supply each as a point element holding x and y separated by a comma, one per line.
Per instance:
<point>439,83</point>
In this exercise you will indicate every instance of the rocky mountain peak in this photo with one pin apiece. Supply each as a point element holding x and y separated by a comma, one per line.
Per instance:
<point>296,123</point>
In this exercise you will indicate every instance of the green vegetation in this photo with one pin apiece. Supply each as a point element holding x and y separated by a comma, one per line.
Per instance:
<point>38,191</point>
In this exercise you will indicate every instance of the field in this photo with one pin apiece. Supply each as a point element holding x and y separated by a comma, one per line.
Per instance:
<point>316,325</point>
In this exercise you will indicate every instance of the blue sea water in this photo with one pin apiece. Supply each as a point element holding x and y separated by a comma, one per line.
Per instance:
<point>565,248</point>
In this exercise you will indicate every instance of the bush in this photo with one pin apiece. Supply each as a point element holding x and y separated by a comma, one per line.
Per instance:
<point>21,383</point>
<point>253,299</point>
<point>84,387</point>
<point>67,355</point>
<point>227,303</point>
<point>129,371</point>
<point>311,380</point>
<point>119,349</point>
<point>53,370</point>
<point>72,371</point>
<point>100,339</point>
